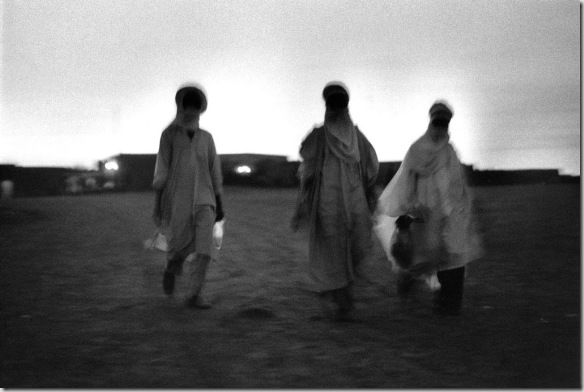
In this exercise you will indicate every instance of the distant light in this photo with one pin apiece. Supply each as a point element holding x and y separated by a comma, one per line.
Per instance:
<point>111,165</point>
<point>109,185</point>
<point>243,169</point>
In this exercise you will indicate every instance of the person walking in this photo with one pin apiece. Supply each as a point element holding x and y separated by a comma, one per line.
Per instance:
<point>337,177</point>
<point>188,181</point>
<point>429,190</point>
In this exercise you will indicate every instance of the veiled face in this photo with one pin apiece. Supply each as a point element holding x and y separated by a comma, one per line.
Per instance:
<point>440,122</point>
<point>190,114</point>
<point>191,105</point>
<point>440,119</point>
<point>191,101</point>
<point>337,102</point>
<point>439,125</point>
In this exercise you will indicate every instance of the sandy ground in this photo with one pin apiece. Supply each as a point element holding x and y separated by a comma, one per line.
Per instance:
<point>82,304</point>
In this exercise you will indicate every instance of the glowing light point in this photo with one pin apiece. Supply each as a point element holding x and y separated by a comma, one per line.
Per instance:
<point>111,165</point>
<point>243,169</point>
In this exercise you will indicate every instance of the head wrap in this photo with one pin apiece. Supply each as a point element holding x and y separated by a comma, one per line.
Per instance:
<point>441,109</point>
<point>341,134</point>
<point>192,95</point>
<point>334,88</point>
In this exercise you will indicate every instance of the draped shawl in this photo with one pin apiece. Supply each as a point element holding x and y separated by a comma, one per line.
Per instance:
<point>431,179</point>
<point>333,201</point>
<point>341,135</point>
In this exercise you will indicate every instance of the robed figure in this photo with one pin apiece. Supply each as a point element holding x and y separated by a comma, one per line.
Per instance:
<point>337,177</point>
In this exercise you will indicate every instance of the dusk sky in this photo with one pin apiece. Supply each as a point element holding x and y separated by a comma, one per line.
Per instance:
<point>83,80</point>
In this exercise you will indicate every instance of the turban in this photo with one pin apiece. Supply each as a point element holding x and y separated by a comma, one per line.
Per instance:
<point>441,109</point>
<point>191,94</point>
<point>336,95</point>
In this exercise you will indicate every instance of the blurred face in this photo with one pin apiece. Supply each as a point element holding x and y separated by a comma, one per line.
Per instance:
<point>337,102</point>
<point>439,124</point>
<point>191,106</point>
<point>190,113</point>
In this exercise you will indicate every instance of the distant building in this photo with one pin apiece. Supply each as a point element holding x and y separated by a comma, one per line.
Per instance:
<point>79,182</point>
<point>386,172</point>
<point>258,169</point>
<point>36,181</point>
<point>130,172</point>
<point>134,172</point>
<point>6,189</point>
<point>514,177</point>
<point>489,177</point>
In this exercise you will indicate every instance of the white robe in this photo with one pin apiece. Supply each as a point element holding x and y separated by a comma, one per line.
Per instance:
<point>431,183</point>
<point>188,172</point>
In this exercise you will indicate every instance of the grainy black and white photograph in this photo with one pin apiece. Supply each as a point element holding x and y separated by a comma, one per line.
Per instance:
<point>307,194</point>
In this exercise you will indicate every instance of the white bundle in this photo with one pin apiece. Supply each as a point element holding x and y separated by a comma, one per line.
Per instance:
<point>156,242</point>
<point>218,233</point>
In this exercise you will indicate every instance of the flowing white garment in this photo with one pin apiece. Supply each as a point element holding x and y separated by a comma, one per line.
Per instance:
<point>342,135</point>
<point>431,179</point>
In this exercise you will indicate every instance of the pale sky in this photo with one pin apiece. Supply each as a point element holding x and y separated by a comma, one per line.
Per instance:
<point>86,79</point>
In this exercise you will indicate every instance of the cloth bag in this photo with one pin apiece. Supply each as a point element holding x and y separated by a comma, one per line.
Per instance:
<point>412,241</point>
<point>218,233</point>
<point>157,242</point>
<point>384,229</point>
<point>307,197</point>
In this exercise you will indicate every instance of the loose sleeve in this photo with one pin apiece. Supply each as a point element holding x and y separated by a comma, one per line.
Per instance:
<point>307,194</point>
<point>457,195</point>
<point>372,167</point>
<point>215,168</point>
<point>396,199</point>
<point>308,150</point>
<point>162,167</point>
